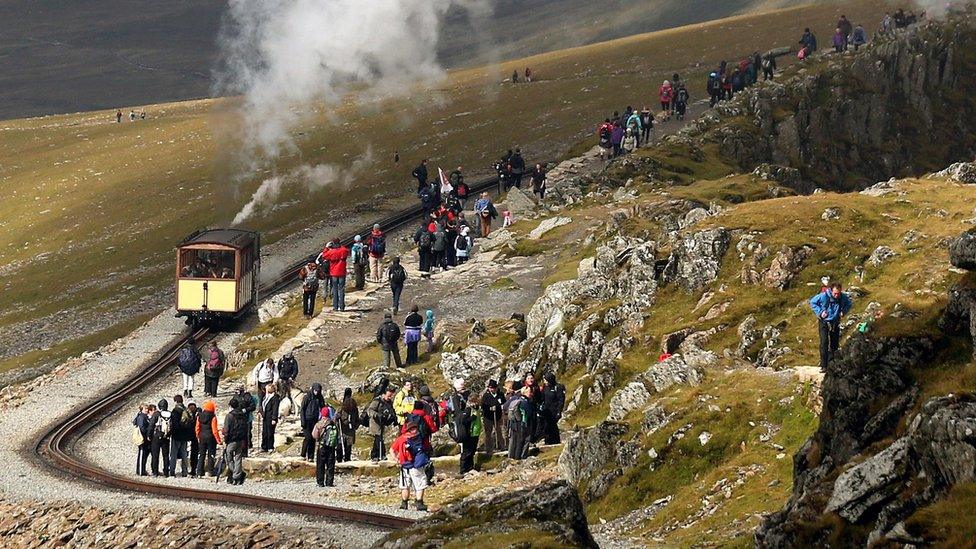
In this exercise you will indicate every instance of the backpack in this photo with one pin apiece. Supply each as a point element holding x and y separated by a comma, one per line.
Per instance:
<point>364,418</point>
<point>682,95</point>
<point>311,281</point>
<point>137,436</point>
<point>186,356</point>
<point>462,243</point>
<point>162,424</point>
<point>476,424</point>
<point>426,239</point>
<point>416,421</point>
<point>330,437</point>
<point>399,275</point>
<point>236,428</point>
<point>401,450</point>
<point>604,136</point>
<point>186,420</point>
<point>377,245</point>
<point>389,332</point>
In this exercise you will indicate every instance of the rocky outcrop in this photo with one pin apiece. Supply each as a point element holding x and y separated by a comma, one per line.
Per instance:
<point>962,251</point>
<point>696,259</point>
<point>552,511</point>
<point>586,456</point>
<point>960,313</point>
<point>475,363</point>
<point>548,225</point>
<point>859,119</point>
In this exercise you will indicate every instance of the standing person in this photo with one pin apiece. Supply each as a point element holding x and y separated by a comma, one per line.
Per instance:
<point>809,41</point>
<point>553,402</point>
<point>420,174</point>
<point>486,212</point>
<point>462,245</point>
<point>348,423</point>
<point>388,336</point>
<point>469,431</point>
<point>515,76</point>
<point>248,404</point>
<point>403,402</point>
<point>844,24</point>
<point>265,373</point>
<point>714,89</point>
<point>461,191</point>
<point>337,255</point>
<point>376,244</point>
<point>604,132</point>
<point>191,407</point>
<point>235,436</point>
<point>646,124</point>
<point>617,138</point>
<point>310,275</point>
<point>439,246</point>
<point>456,178</point>
<point>208,436</point>
<point>287,374</point>
<point>538,178</point>
<point>887,24</point>
<point>189,363</point>
<point>311,404</point>
<point>451,230</point>
<point>769,66</point>
<point>397,276</point>
<point>213,369</point>
<point>491,417</point>
<point>413,459</point>
<point>840,41</point>
<point>269,417</point>
<point>629,143</point>
<point>118,117</point>
<point>428,330</point>
<point>528,74</point>
<point>360,260</point>
<point>159,427</point>
<point>381,415</point>
<point>181,432</point>
<point>457,400</point>
<point>425,241</point>
<point>859,37</point>
<point>518,167</point>
<point>143,436</point>
<point>666,94</point>
<point>517,422</point>
<point>326,433</point>
<point>681,98</point>
<point>830,308</point>
<point>411,334</point>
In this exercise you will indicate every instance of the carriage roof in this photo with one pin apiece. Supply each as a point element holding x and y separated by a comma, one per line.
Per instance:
<point>234,238</point>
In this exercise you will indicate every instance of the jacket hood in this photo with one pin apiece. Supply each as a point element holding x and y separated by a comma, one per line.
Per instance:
<point>396,260</point>
<point>430,314</point>
<point>163,405</point>
<point>210,406</point>
<point>317,388</point>
<point>550,378</point>
<point>424,391</point>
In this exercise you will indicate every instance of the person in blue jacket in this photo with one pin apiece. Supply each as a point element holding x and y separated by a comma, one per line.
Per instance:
<point>830,307</point>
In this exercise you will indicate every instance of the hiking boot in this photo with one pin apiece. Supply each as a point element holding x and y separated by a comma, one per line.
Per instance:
<point>321,485</point>
<point>404,505</point>
<point>420,505</point>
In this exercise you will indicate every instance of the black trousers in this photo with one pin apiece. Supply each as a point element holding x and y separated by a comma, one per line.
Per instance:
<point>550,428</point>
<point>348,441</point>
<point>412,355</point>
<point>208,452</point>
<point>397,290</point>
<point>267,434</point>
<point>645,134</point>
<point>424,254</point>
<point>325,460</point>
<point>308,443</point>
<point>308,303</point>
<point>379,448</point>
<point>829,341</point>
<point>468,447</point>
<point>516,433</point>
<point>194,455</point>
<point>142,456</point>
<point>210,386</point>
<point>157,446</point>
<point>437,259</point>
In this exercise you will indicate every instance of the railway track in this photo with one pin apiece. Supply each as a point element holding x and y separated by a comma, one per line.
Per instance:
<point>56,447</point>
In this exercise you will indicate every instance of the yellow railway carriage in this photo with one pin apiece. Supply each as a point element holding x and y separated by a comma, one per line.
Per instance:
<point>217,274</point>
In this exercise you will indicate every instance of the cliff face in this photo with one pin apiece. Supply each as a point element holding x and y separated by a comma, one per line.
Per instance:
<point>900,107</point>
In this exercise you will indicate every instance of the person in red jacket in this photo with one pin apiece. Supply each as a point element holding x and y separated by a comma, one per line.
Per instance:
<point>376,246</point>
<point>337,254</point>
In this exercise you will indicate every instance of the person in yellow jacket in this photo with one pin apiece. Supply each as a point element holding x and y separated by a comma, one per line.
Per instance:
<point>403,402</point>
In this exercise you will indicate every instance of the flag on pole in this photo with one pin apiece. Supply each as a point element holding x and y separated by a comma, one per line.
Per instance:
<point>446,186</point>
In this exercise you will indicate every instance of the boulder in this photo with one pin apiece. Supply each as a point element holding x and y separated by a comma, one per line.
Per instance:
<point>632,397</point>
<point>869,483</point>
<point>786,264</point>
<point>694,216</point>
<point>273,307</point>
<point>586,455</point>
<point>552,508</point>
<point>475,363</point>
<point>962,251</point>
<point>519,203</point>
<point>548,225</point>
<point>789,177</point>
<point>671,371</point>
<point>496,240</point>
<point>696,259</point>
<point>881,255</point>
<point>556,297</point>
<point>963,172</point>
<point>830,214</point>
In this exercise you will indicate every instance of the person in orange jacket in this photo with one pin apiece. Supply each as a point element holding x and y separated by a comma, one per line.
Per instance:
<point>208,435</point>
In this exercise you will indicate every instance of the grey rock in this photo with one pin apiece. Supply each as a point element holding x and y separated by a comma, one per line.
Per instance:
<point>881,255</point>
<point>586,455</point>
<point>475,363</point>
<point>963,172</point>
<point>672,371</point>
<point>632,397</point>
<point>870,482</point>
<point>697,258</point>
<point>548,225</point>
<point>962,251</point>
<point>830,214</point>
<point>519,203</point>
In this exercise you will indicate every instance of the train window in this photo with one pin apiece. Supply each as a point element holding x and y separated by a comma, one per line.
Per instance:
<point>206,263</point>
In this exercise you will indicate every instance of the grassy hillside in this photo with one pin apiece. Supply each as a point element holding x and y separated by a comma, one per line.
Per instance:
<point>70,56</point>
<point>91,209</point>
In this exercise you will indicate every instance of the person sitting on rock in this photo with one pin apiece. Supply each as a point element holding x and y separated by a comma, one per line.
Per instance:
<point>830,307</point>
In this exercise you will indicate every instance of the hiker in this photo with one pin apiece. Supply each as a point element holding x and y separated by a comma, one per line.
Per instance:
<point>265,373</point>
<point>194,412</point>
<point>413,459</point>
<point>646,124</point>
<point>809,41</point>
<point>348,423</point>
<point>381,415</point>
<point>248,404</point>
<point>840,41</point>
<point>462,246</point>
<point>213,369</point>
<point>411,334</point>
<point>859,37</point>
<point>491,418</point>
<point>768,66</point>
<point>887,24</point>
<point>486,212</point>
<point>376,246</point>
<point>518,412</point>
<point>403,402</point>
<point>515,76</point>
<point>287,374</point>
<point>142,436</point>
<point>439,247</point>
<point>181,432</point>
<point>236,427</point>
<point>270,403</point>
<point>604,132</point>
<point>457,400</point>
<point>681,98</point>
<point>518,167</point>
<point>616,138</point>
<point>388,336</point>
<point>310,275</point>
<point>528,74</point>
<point>397,276</point>
<point>844,24</point>
<point>420,174</point>
<point>309,414</point>
<point>629,144</point>
<point>326,433</point>
<point>470,427</point>
<point>132,116</point>
<point>360,259</point>
<point>830,308</point>
<point>189,364</point>
<point>666,95</point>
<point>461,191</point>
<point>428,330</point>
<point>337,255</point>
<point>208,436</point>
<point>159,443</point>
<point>553,402</point>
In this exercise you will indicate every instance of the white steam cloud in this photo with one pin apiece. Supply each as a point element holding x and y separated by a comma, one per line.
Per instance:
<point>283,55</point>
<point>304,177</point>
